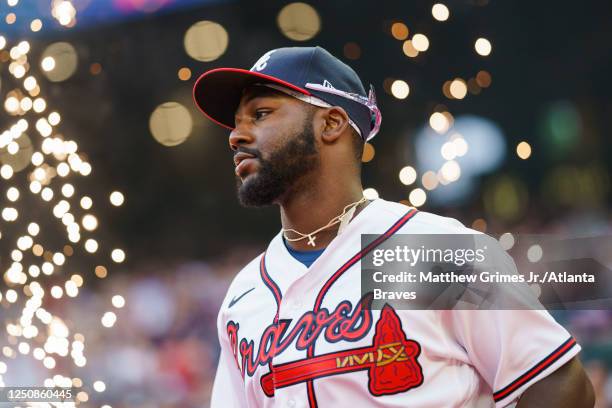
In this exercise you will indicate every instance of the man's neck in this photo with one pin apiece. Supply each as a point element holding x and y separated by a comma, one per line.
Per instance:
<point>307,210</point>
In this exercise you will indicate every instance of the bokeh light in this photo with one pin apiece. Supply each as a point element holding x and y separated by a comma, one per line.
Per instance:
<point>299,21</point>
<point>10,18</point>
<point>483,79</point>
<point>118,255</point>
<point>475,145</point>
<point>206,41</point>
<point>89,222</point>
<point>458,88</point>
<point>19,160</point>
<point>407,175</point>
<point>184,74</point>
<point>109,319</point>
<point>417,197</point>
<point>420,42</point>
<point>440,12</point>
<point>91,245</point>
<point>117,198</point>
<point>534,253</point>
<point>483,47</point>
<point>439,122</point>
<point>59,61</point>
<point>170,123</point>
<point>370,193</point>
<point>409,50</point>
<point>64,12</point>
<point>473,86</point>
<point>101,272</point>
<point>399,31</point>
<point>36,25</point>
<point>118,301</point>
<point>450,171</point>
<point>429,180</point>
<point>523,150</point>
<point>400,89</point>
<point>506,241</point>
<point>95,68</point>
<point>479,224</point>
<point>368,153</point>
<point>99,386</point>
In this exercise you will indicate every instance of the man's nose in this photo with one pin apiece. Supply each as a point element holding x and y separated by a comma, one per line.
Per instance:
<point>239,137</point>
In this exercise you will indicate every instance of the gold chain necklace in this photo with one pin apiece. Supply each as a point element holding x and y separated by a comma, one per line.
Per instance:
<point>312,236</point>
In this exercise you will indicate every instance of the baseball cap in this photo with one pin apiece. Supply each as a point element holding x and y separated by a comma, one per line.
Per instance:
<point>304,72</point>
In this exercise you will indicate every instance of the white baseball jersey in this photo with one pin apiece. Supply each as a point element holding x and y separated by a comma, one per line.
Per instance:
<point>303,337</point>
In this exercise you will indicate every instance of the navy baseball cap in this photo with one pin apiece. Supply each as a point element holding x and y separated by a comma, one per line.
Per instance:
<point>309,71</point>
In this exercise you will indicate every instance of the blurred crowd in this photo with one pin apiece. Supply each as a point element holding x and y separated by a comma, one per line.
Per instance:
<point>163,349</point>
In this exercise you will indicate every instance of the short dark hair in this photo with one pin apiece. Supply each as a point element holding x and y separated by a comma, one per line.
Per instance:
<point>358,144</point>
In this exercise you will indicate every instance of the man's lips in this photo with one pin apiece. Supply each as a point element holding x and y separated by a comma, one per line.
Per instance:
<point>244,163</point>
<point>240,156</point>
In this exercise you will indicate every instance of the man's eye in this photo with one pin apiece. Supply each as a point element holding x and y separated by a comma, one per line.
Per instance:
<point>260,113</point>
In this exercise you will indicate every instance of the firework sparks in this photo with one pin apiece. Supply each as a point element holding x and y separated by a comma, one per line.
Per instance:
<point>42,170</point>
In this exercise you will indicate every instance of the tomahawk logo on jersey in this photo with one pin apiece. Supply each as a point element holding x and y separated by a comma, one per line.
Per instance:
<point>306,337</point>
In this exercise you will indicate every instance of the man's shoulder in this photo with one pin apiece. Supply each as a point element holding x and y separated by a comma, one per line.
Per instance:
<point>249,272</point>
<point>246,278</point>
<point>424,222</point>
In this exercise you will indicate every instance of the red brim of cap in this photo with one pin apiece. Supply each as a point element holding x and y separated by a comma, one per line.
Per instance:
<point>217,92</point>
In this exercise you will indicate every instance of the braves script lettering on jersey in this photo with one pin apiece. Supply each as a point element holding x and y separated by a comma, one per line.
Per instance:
<point>305,337</point>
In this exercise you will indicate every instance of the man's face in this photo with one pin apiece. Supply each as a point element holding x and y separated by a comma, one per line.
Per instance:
<point>274,146</point>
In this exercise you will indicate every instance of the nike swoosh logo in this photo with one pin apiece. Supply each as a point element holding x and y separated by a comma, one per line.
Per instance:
<point>236,299</point>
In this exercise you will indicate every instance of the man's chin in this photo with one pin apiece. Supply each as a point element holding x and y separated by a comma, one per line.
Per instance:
<point>253,193</point>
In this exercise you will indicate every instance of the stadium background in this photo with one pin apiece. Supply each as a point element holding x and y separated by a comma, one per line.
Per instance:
<point>494,113</point>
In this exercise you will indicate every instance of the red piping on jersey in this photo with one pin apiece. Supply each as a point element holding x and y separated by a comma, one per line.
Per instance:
<point>356,258</point>
<point>535,370</point>
<point>269,282</point>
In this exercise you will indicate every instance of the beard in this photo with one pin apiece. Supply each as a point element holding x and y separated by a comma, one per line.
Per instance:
<point>282,171</point>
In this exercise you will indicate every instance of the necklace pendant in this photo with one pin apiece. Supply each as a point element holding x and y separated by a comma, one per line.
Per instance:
<point>311,240</point>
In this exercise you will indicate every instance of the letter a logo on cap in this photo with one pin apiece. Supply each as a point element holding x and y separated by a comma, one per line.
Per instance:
<point>263,61</point>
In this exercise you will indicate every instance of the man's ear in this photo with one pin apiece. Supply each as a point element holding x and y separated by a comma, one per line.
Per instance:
<point>335,123</point>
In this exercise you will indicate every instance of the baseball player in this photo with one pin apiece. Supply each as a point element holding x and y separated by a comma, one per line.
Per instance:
<point>294,328</point>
